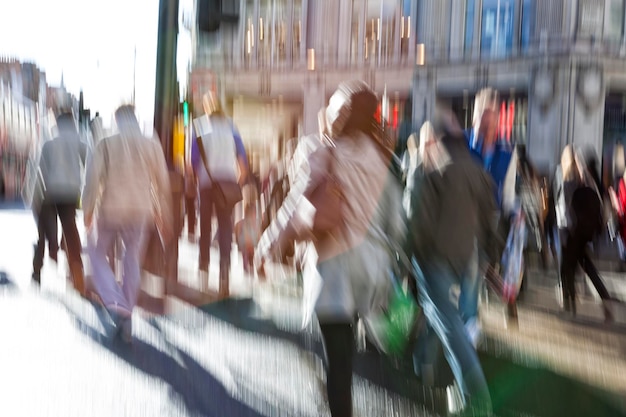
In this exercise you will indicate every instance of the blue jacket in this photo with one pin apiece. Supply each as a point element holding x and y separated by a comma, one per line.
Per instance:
<point>496,165</point>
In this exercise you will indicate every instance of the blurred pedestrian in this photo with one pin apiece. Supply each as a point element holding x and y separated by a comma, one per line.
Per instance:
<point>220,162</point>
<point>453,207</point>
<point>62,163</point>
<point>579,219</point>
<point>127,191</point>
<point>353,258</point>
<point>191,194</point>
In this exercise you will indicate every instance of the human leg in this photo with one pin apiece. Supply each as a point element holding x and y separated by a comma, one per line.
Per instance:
<point>339,346</point>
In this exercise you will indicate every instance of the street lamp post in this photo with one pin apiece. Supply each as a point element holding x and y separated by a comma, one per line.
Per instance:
<point>166,93</point>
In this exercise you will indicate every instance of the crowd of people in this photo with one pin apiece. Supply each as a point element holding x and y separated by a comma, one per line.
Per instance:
<point>461,207</point>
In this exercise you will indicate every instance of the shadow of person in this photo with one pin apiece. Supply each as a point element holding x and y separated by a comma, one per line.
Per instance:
<point>200,391</point>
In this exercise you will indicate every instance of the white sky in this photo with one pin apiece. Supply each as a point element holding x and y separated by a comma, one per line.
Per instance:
<point>92,43</point>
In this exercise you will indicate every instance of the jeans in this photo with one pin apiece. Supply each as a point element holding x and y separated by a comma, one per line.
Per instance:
<point>121,299</point>
<point>445,323</point>
<point>225,231</point>
<point>470,289</point>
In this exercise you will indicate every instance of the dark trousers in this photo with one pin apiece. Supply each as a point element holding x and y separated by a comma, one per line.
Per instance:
<point>47,229</point>
<point>225,231</point>
<point>190,208</point>
<point>339,344</point>
<point>575,253</point>
<point>74,248</point>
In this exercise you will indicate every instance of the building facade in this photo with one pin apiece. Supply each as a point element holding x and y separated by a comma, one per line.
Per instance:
<point>558,64</point>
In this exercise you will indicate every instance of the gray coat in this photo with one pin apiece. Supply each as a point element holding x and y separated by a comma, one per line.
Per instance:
<point>62,163</point>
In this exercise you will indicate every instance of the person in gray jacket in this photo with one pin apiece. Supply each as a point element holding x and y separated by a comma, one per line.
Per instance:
<point>452,209</point>
<point>61,163</point>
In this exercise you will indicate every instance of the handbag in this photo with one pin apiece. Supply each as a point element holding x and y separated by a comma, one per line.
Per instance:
<point>229,192</point>
<point>328,199</point>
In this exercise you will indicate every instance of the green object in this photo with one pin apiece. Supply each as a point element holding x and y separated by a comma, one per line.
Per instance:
<point>185,113</point>
<point>390,329</point>
<point>401,316</point>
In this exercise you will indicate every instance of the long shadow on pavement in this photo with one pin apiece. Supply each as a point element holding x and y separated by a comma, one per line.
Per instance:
<point>200,391</point>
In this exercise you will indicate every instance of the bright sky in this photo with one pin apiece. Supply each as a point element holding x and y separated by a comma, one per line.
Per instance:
<point>92,43</point>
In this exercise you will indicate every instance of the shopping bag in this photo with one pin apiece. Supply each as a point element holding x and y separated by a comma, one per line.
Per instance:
<point>513,258</point>
<point>390,328</point>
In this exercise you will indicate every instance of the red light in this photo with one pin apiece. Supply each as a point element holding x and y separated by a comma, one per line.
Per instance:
<point>394,120</point>
<point>510,119</point>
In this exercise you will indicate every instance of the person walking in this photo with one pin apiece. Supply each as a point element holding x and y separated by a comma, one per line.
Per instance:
<point>220,162</point>
<point>353,258</point>
<point>61,163</point>
<point>453,207</point>
<point>127,190</point>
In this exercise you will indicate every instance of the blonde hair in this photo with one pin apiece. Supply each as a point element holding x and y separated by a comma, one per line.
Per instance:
<point>427,134</point>
<point>572,166</point>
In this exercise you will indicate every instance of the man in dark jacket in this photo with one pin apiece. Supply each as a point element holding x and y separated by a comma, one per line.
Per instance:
<point>62,162</point>
<point>453,209</point>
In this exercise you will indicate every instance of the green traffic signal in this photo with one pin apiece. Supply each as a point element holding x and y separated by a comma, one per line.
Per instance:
<point>185,113</point>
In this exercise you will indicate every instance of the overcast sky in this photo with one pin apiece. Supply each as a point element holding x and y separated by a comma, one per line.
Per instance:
<point>92,43</point>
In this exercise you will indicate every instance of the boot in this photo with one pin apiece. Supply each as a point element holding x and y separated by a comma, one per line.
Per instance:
<point>608,314</point>
<point>224,284</point>
<point>78,278</point>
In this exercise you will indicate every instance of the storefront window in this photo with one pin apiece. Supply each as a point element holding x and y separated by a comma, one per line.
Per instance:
<point>528,12</point>
<point>264,37</point>
<point>357,25</point>
<point>406,34</point>
<point>614,20</point>
<point>469,26</point>
<point>382,29</point>
<point>250,36</point>
<point>497,27</point>
<point>297,30</point>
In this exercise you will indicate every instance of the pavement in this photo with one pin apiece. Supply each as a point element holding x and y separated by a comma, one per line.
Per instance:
<point>196,355</point>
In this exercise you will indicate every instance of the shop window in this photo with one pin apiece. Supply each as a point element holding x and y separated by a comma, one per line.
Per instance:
<point>614,20</point>
<point>469,25</point>
<point>497,29</point>
<point>528,14</point>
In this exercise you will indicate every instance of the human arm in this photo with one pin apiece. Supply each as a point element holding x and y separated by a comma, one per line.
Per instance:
<point>94,171</point>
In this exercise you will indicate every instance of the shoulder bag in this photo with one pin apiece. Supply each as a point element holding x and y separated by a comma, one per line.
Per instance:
<point>229,191</point>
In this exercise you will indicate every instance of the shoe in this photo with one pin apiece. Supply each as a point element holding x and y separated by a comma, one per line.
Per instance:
<point>126,330</point>
<point>123,326</point>
<point>608,314</point>
<point>37,278</point>
<point>473,330</point>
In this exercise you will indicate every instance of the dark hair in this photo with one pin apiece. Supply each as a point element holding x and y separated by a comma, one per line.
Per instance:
<point>363,109</point>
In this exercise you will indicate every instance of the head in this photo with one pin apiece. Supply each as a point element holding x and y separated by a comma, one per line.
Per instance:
<point>351,107</point>
<point>211,104</point>
<point>487,98</point>
<point>521,152</point>
<point>445,122</point>
<point>126,121</point>
<point>488,129</point>
<point>570,165</point>
<point>66,123</point>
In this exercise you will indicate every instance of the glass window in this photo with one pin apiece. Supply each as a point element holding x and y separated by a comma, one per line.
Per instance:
<point>497,27</point>
<point>469,26</point>
<point>357,16</point>
<point>265,33</point>
<point>528,12</point>
<point>297,30</point>
<point>614,26</point>
<point>250,36</point>
<point>405,30</point>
